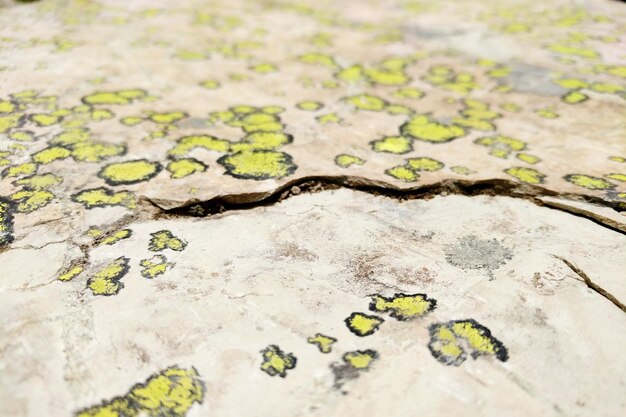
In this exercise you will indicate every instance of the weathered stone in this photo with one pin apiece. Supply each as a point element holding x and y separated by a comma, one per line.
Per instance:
<point>322,208</point>
<point>278,275</point>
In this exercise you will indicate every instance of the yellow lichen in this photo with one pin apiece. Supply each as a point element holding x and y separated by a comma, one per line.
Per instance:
<point>257,122</point>
<point>451,342</point>
<point>547,113</point>
<point>129,172</point>
<point>22,135</point>
<point>3,158</point>
<point>116,237</point>
<point>39,182</point>
<point>42,119</point>
<point>617,176</point>
<point>243,109</point>
<point>345,160</point>
<point>114,97</point>
<point>50,154</point>
<point>10,121</point>
<point>323,343</point>
<point>461,170</point>
<point>409,92</point>
<point>187,143</point>
<point>102,197</point>
<point>363,325</point>
<point>403,306</point>
<point>589,182</point>
<point>107,280</point>
<point>155,266</point>
<point>366,102</point>
<point>264,68</point>
<point>96,151</point>
<point>101,114</point>
<point>7,106</point>
<point>171,392</point>
<point>31,200</point>
<point>187,55</point>
<point>607,88</point>
<point>360,359</point>
<point>258,165</point>
<point>131,120</point>
<point>574,97</point>
<point>328,118</point>
<point>444,77</point>
<point>398,109</point>
<point>386,76</point>
<point>424,164</point>
<point>272,109</point>
<point>351,74</point>
<point>530,159</point>
<point>309,105</point>
<point>318,59</point>
<point>616,70</point>
<point>392,144</point>
<point>117,407</point>
<point>422,128</point>
<point>402,173</point>
<point>184,167</point>
<point>164,239</point>
<point>262,141</point>
<point>527,175</point>
<point>71,273</point>
<point>71,137</point>
<point>501,146</point>
<point>167,117</point>
<point>210,84</point>
<point>21,170</point>
<point>94,232</point>
<point>277,362</point>
<point>581,52</point>
<point>571,83</point>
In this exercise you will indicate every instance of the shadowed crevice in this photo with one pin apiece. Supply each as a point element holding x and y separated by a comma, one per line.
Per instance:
<point>492,187</point>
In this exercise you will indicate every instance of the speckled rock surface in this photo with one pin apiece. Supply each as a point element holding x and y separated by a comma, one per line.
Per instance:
<point>135,136</point>
<point>530,336</point>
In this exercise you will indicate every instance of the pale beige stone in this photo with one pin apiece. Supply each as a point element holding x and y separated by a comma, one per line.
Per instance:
<point>281,274</point>
<point>223,259</point>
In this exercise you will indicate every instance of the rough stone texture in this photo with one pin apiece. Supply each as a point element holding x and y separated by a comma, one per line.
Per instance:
<point>279,275</point>
<point>195,195</point>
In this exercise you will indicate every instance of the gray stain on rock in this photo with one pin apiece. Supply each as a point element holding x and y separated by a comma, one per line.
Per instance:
<point>533,79</point>
<point>469,252</point>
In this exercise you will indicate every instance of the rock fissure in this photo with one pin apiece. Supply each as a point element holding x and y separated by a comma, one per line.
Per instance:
<point>592,285</point>
<point>492,187</point>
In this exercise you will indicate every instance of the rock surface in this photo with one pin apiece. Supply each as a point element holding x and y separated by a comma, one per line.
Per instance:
<point>278,276</point>
<point>275,208</point>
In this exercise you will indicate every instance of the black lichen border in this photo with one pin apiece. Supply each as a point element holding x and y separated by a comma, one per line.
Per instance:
<point>157,169</point>
<point>318,344</point>
<point>351,317</point>
<point>278,351</point>
<point>116,278</point>
<point>372,353</point>
<point>501,351</point>
<point>372,306</point>
<point>6,222</point>
<point>287,159</point>
<point>107,191</point>
<point>133,404</point>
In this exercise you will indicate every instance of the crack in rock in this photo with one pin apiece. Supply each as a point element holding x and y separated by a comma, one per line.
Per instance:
<point>592,285</point>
